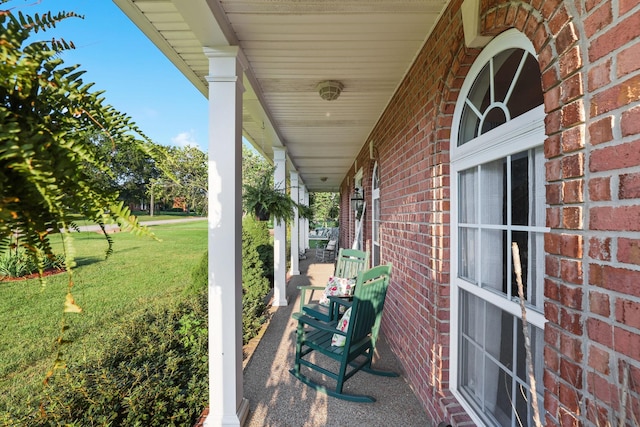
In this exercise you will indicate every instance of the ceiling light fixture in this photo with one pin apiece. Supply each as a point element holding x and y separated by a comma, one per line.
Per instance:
<point>329,90</point>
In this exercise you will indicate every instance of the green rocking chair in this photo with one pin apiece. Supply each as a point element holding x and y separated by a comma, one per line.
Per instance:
<point>314,335</point>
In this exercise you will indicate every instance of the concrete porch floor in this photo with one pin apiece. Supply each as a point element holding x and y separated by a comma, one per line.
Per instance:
<point>276,398</point>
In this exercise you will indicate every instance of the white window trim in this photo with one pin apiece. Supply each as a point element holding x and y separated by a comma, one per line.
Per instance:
<point>375,221</point>
<point>520,134</point>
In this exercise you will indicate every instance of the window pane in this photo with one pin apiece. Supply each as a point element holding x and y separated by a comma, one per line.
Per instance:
<point>537,189</point>
<point>376,219</point>
<point>471,371</point>
<point>520,189</point>
<point>499,333</point>
<point>498,390</point>
<point>522,239</point>
<point>493,265</point>
<point>467,256</point>
<point>527,93</point>
<point>467,196</point>
<point>493,192</point>
<point>505,65</point>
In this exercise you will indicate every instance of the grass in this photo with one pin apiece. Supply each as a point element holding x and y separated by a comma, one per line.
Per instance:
<point>141,272</point>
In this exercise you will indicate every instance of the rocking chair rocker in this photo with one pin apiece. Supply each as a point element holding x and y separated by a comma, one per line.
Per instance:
<point>315,335</point>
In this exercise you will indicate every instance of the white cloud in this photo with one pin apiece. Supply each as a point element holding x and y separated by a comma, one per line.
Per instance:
<point>184,139</point>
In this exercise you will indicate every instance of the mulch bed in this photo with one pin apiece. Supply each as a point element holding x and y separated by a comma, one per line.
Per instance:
<point>45,273</point>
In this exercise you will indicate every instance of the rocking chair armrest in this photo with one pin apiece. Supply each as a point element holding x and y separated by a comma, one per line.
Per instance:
<point>315,323</point>
<point>340,301</point>
<point>304,289</point>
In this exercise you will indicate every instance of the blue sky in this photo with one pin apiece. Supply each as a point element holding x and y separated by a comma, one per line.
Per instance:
<point>136,77</point>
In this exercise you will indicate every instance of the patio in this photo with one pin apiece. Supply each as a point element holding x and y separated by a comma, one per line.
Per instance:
<point>276,398</point>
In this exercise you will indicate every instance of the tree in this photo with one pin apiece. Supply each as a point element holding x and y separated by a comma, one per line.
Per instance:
<point>132,170</point>
<point>325,206</point>
<point>185,179</point>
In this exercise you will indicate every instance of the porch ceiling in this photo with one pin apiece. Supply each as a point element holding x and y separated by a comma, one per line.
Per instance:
<point>291,46</point>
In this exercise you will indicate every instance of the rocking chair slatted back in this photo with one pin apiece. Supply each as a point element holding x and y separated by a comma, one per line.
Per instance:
<point>349,263</point>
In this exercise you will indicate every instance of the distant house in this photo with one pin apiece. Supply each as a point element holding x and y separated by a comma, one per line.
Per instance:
<point>514,122</point>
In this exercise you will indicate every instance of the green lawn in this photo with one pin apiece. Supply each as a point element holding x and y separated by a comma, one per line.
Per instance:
<point>141,272</point>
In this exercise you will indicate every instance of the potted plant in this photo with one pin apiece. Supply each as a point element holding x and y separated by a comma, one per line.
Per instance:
<point>263,200</point>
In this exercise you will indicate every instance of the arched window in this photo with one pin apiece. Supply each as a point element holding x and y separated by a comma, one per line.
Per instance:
<point>498,198</point>
<point>375,225</point>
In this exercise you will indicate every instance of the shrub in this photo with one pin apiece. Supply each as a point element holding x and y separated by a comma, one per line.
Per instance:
<point>255,275</point>
<point>199,276</point>
<point>255,284</point>
<point>154,373</point>
<point>18,263</point>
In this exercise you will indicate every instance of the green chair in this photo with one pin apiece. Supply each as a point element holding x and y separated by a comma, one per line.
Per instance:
<point>314,335</point>
<point>349,263</point>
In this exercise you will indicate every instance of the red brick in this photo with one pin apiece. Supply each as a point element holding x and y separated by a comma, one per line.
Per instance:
<point>600,189</point>
<point>629,186</point>
<point>549,80</point>
<point>600,248</point>
<point>619,218</point>
<point>570,62</point>
<point>571,296</point>
<point>599,303</point>
<point>551,312</point>
<point>554,193</point>
<point>628,60</point>
<point>627,342</point>
<point>552,99</point>
<point>573,165</point>
<point>630,122</point>
<point>599,75</point>
<point>572,217</point>
<point>552,146</point>
<point>615,157</point>
<point>629,250</point>
<point>552,336</point>
<point>551,359</point>
<point>599,19</point>
<point>571,245</point>
<point>626,5</point>
<point>572,191</point>
<point>628,312</point>
<point>615,279</point>
<point>624,31</point>
<point>573,114</point>
<point>552,266</point>
<point>571,347</point>
<point>591,4</point>
<point>601,131</point>
<point>566,38</point>
<point>553,169</point>
<point>600,332</point>
<point>599,360</point>
<point>553,219</point>
<point>552,121</point>
<point>616,97</point>
<point>552,243</point>
<point>571,322</point>
<point>572,88</point>
<point>573,139</point>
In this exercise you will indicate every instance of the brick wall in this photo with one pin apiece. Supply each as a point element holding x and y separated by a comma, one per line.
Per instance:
<point>589,55</point>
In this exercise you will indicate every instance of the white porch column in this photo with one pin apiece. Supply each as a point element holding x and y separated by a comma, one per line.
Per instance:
<point>227,407</point>
<point>306,221</point>
<point>295,242</point>
<point>279,234</point>
<point>302,221</point>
